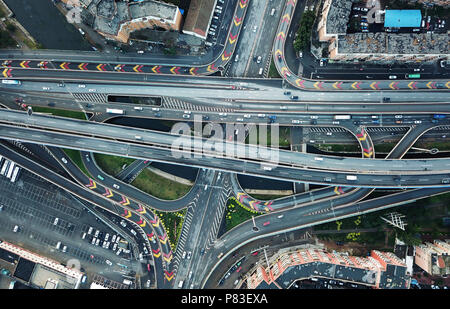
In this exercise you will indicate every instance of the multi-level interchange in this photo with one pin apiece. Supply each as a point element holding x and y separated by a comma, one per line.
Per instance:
<point>366,75</point>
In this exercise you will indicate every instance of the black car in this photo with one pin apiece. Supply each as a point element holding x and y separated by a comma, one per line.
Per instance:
<point>51,104</point>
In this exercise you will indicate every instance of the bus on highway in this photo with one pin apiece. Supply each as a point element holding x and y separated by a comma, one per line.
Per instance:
<point>11,81</point>
<point>412,75</point>
<point>342,117</point>
<point>115,111</point>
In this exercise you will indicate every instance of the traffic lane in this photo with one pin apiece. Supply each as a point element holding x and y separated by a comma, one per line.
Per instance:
<point>199,230</point>
<point>154,246</point>
<point>271,224</point>
<point>395,180</point>
<point>296,200</point>
<point>299,160</point>
<point>225,96</point>
<point>284,116</point>
<point>265,35</point>
<point>136,194</point>
<point>258,89</point>
<point>294,80</point>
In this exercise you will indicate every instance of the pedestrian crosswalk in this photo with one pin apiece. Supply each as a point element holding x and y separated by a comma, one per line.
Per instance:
<point>173,103</point>
<point>368,129</point>
<point>91,97</point>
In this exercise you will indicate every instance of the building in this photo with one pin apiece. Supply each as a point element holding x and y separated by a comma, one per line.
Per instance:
<point>334,19</point>
<point>402,19</point>
<point>378,46</point>
<point>115,20</point>
<point>199,18</point>
<point>443,3</point>
<point>381,270</point>
<point>40,271</point>
<point>434,257</point>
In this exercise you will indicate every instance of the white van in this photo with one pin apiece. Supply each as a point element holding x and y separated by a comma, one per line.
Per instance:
<point>180,284</point>
<point>260,71</point>
<point>272,12</point>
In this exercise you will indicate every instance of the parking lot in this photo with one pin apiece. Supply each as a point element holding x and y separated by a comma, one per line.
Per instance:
<point>42,218</point>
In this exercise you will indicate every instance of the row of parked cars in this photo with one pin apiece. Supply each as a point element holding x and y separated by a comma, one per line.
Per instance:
<point>105,240</point>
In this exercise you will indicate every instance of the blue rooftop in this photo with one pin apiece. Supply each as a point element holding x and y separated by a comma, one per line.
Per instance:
<point>402,18</point>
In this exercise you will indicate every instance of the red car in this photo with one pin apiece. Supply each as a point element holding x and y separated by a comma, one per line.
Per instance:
<point>148,267</point>
<point>239,269</point>
<point>146,161</point>
<point>266,223</point>
<point>255,253</point>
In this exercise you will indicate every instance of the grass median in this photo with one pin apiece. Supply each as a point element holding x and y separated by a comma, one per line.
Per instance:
<point>159,186</point>
<point>236,213</point>
<point>75,156</point>
<point>172,222</point>
<point>111,164</point>
<point>60,112</point>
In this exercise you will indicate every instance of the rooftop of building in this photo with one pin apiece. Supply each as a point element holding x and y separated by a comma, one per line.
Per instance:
<point>393,43</point>
<point>152,8</point>
<point>198,17</point>
<point>109,15</point>
<point>338,16</point>
<point>309,263</point>
<point>402,18</point>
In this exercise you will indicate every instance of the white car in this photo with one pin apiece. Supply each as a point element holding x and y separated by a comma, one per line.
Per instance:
<point>392,76</point>
<point>189,255</point>
<point>184,254</point>
<point>108,262</point>
<point>64,160</point>
<point>116,186</point>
